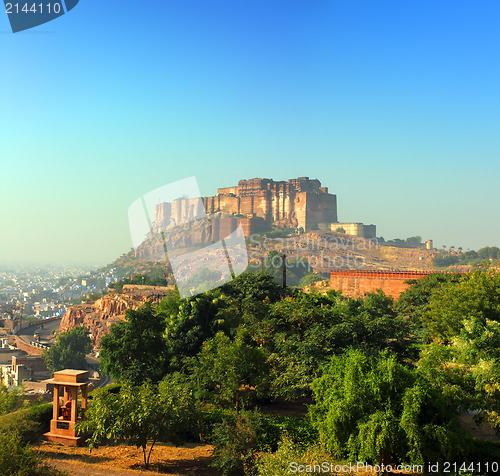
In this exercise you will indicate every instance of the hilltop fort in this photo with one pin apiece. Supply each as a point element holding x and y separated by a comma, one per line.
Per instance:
<point>300,203</point>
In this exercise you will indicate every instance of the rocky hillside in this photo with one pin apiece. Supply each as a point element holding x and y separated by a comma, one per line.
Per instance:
<point>323,250</point>
<point>100,315</point>
<point>326,251</point>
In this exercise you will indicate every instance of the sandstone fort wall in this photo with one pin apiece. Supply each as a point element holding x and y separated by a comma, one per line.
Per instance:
<point>356,283</point>
<point>300,202</point>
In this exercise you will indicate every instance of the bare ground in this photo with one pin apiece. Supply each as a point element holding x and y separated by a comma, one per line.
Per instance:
<point>166,460</point>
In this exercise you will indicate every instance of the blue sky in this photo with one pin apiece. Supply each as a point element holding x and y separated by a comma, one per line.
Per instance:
<point>394,105</point>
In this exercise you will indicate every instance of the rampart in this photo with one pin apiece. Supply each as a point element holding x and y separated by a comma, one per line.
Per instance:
<point>28,348</point>
<point>300,202</point>
<point>356,283</point>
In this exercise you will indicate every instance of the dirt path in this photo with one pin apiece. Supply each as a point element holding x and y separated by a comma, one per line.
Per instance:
<point>166,460</point>
<point>91,470</point>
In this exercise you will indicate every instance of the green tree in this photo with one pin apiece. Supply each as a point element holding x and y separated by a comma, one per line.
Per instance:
<point>443,261</point>
<point>230,373</point>
<point>142,415</point>
<point>309,279</point>
<point>466,315</point>
<point>413,303</point>
<point>489,252</point>
<point>69,351</point>
<point>414,240</point>
<point>467,368</point>
<point>371,408</point>
<point>189,323</point>
<point>135,349</point>
<point>301,333</point>
<point>475,296</point>
<point>254,287</point>
<point>471,255</point>
<point>296,270</point>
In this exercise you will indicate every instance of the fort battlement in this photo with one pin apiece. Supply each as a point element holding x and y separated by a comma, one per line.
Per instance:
<point>300,203</point>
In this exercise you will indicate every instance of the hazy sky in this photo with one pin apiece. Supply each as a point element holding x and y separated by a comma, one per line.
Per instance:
<point>394,105</point>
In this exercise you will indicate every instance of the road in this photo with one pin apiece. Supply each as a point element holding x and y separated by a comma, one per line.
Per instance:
<point>48,327</point>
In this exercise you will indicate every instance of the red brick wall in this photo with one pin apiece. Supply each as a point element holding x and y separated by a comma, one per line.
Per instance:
<point>356,283</point>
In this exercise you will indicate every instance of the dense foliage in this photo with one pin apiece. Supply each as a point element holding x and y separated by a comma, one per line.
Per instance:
<point>372,408</point>
<point>488,253</point>
<point>388,378</point>
<point>19,459</point>
<point>69,351</point>
<point>142,415</point>
<point>134,350</point>
<point>236,444</point>
<point>18,429</point>
<point>10,399</point>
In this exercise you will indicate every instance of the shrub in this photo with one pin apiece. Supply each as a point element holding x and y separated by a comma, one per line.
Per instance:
<point>280,232</point>
<point>288,453</point>
<point>298,429</point>
<point>29,423</point>
<point>10,399</point>
<point>41,415</point>
<point>445,261</point>
<point>487,452</point>
<point>236,443</point>
<point>273,427</point>
<point>18,458</point>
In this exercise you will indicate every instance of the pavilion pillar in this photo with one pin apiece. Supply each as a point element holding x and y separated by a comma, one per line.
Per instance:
<point>84,399</point>
<point>67,397</point>
<point>74,403</point>
<point>55,413</point>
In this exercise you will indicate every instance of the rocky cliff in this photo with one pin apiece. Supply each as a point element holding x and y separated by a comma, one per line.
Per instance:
<point>99,316</point>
